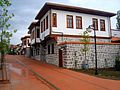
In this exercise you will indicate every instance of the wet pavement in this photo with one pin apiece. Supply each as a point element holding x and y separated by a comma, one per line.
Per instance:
<point>64,79</point>
<point>21,78</point>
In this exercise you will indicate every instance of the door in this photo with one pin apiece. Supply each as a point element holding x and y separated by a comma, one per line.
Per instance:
<point>60,58</point>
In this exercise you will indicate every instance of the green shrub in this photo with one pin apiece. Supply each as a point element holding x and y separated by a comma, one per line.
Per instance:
<point>117,63</point>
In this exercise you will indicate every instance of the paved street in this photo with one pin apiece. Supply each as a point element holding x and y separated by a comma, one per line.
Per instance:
<point>61,78</point>
<point>21,78</point>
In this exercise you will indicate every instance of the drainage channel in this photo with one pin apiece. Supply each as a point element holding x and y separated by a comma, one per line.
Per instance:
<point>38,76</point>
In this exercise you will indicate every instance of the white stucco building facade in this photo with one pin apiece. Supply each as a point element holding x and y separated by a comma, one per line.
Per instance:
<point>60,32</point>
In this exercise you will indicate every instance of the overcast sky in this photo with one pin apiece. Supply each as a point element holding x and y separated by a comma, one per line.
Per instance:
<point>26,10</point>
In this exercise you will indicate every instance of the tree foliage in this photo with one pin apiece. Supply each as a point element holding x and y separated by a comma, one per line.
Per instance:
<point>85,39</point>
<point>118,20</point>
<point>5,33</point>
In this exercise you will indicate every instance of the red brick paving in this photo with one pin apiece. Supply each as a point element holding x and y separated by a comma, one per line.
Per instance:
<point>67,79</point>
<point>22,79</point>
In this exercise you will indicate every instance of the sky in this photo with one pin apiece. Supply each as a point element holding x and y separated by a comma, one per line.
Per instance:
<point>25,12</point>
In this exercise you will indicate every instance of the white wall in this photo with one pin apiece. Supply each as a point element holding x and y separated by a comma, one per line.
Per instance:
<point>35,35</point>
<point>47,31</point>
<point>86,21</point>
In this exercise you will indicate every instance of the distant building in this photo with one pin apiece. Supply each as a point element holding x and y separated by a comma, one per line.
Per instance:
<point>12,49</point>
<point>34,31</point>
<point>25,46</point>
<point>115,36</point>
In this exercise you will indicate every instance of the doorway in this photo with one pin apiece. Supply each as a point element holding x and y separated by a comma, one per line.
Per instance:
<point>60,58</point>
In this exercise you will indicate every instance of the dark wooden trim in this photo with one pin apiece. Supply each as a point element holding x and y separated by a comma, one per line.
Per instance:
<point>44,25</point>
<point>60,58</point>
<point>50,21</point>
<point>25,37</point>
<point>46,22</point>
<point>67,20</point>
<point>41,26</point>
<point>49,6</point>
<point>77,36</point>
<point>98,43</point>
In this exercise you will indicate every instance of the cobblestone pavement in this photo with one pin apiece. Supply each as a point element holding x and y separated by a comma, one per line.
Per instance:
<point>65,79</point>
<point>21,78</point>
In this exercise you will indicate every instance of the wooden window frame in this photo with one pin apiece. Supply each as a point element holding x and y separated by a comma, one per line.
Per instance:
<point>104,25</point>
<point>67,21</point>
<point>54,20</point>
<point>96,23</point>
<point>44,25</point>
<point>79,26</point>
<point>46,22</point>
<point>41,26</point>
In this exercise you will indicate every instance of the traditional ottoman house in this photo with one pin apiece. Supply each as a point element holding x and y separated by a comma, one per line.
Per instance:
<point>34,31</point>
<point>61,29</point>
<point>25,45</point>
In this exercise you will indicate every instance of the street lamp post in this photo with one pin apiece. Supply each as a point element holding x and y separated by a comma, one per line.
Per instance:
<point>90,28</point>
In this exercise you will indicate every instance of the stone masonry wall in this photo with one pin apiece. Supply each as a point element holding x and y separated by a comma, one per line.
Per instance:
<point>73,56</point>
<point>52,58</point>
<point>74,39</point>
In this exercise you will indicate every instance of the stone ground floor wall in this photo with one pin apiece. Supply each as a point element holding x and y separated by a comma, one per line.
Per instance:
<point>27,53</point>
<point>38,52</point>
<point>74,39</point>
<point>52,58</point>
<point>73,57</point>
<point>72,54</point>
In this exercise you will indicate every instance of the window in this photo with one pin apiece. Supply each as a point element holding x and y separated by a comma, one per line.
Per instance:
<point>47,22</point>
<point>69,21</point>
<point>44,25</point>
<point>52,48</point>
<point>48,49</point>
<point>38,33</point>
<point>102,25</point>
<point>95,23</point>
<point>54,19</point>
<point>78,22</point>
<point>41,26</point>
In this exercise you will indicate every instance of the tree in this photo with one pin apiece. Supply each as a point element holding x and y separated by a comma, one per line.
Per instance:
<point>85,48</point>
<point>118,20</point>
<point>5,33</point>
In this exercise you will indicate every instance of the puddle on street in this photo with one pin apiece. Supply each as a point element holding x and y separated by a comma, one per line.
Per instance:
<point>21,71</point>
<point>23,79</point>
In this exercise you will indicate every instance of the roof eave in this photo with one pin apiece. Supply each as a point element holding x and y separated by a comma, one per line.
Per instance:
<point>48,6</point>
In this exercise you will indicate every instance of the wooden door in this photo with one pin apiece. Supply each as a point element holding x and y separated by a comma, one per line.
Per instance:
<point>60,58</point>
